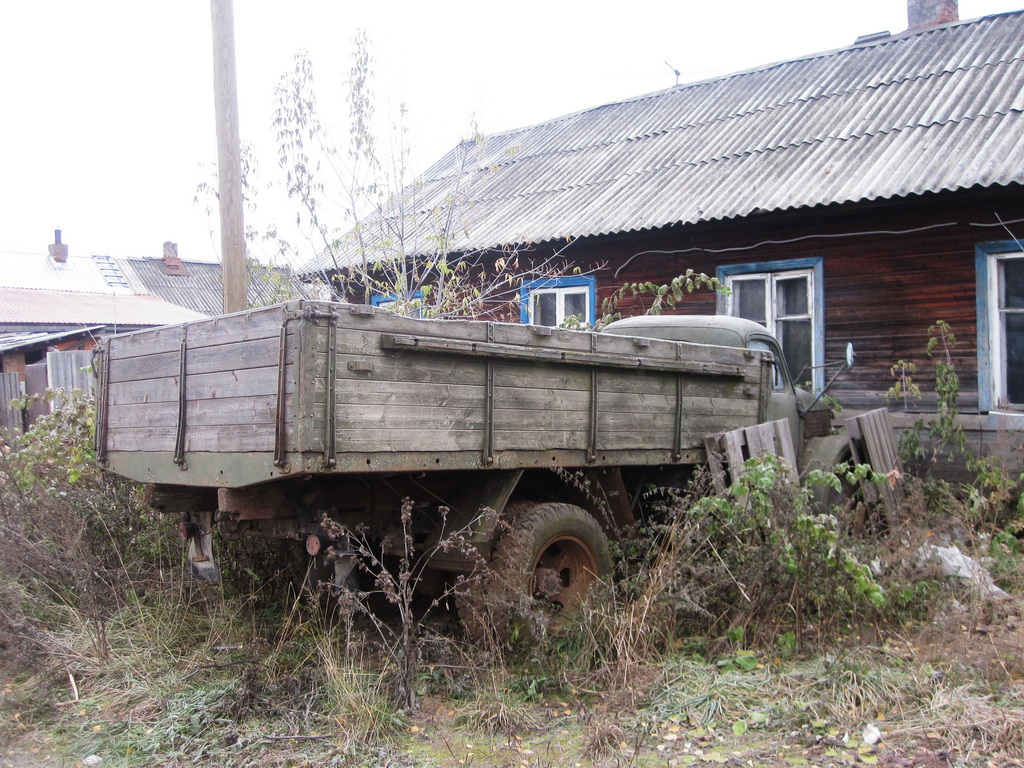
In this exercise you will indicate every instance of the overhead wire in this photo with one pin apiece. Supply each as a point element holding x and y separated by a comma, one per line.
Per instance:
<point>819,236</point>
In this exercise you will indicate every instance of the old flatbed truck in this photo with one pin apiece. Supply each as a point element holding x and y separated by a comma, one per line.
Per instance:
<point>264,422</point>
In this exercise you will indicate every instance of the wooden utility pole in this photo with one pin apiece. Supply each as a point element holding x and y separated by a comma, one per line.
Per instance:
<point>229,161</point>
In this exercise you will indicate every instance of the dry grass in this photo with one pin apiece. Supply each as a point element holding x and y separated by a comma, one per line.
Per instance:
<point>968,722</point>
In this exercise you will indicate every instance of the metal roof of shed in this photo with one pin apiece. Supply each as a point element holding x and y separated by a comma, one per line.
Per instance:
<point>9,341</point>
<point>35,306</point>
<point>931,111</point>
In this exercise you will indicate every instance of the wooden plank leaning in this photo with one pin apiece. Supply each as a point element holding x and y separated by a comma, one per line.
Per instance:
<point>727,451</point>
<point>871,442</point>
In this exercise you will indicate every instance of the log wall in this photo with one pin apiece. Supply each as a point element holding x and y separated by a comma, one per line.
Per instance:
<point>891,270</point>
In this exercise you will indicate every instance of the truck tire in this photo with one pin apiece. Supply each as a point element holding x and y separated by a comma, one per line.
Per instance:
<point>540,574</point>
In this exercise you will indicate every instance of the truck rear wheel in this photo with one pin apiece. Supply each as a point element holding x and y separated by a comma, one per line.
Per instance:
<point>541,572</point>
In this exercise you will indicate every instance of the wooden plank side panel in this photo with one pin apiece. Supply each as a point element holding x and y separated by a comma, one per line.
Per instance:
<point>229,411</point>
<point>216,332</point>
<point>641,382</point>
<point>231,390</point>
<point>356,392</point>
<point>360,334</point>
<point>409,400</point>
<point>538,406</point>
<point>399,369</point>
<point>207,386</point>
<point>405,396</point>
<point>241,355</point>
<point>221,438</point>
<point>429,441</point>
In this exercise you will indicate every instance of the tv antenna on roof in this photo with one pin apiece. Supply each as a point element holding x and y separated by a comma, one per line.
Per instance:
<point>675,71</point>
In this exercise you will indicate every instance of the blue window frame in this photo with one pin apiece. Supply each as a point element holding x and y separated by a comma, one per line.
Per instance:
<point>552,300</point>
<point>413,301</point>
<point>787,297</point>
<point>999,270</point>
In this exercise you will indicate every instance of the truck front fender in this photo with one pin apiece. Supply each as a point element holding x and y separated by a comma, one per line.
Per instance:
<point>825,452</point>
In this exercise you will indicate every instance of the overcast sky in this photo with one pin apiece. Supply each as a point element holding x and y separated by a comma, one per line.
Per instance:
<point>108,124</point>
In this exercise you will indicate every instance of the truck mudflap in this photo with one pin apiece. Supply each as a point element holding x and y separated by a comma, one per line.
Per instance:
<point>197,530</point>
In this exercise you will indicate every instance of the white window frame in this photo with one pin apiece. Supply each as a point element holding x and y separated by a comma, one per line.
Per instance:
<point>772,272</point>
<point>992,382</point>
<point>560,287</point>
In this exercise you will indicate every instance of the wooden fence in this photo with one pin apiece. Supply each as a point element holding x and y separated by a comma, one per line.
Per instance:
<point>62,370</point>
<point>10,418</point>
<point>70,370</point>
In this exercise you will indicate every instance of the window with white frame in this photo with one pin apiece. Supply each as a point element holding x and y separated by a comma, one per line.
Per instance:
<point>554,300</point>
<point>785,297</point>
<point>1001,326</point>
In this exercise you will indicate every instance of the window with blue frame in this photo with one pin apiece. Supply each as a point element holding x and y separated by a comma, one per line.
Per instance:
<point>552,301</point>
<point>786,297</point>
<point>999,267</point>
<point>411,304</point>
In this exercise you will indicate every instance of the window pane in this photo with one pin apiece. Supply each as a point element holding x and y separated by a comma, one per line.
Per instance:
<point>749,299</point>
<point>1013,284</point>
<point>777,380</point>
<point>1015,358</point>
<point>545,309</point>
<point>576,304</point>
<point>795,337</point>
<point>791,295</point>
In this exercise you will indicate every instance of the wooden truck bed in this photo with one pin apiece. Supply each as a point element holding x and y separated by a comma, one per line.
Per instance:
<point>317,387</point>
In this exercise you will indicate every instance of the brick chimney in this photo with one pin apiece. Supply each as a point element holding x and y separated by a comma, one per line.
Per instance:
<point>172,265</point>
<point>922,14</point>
<point>58,251</point>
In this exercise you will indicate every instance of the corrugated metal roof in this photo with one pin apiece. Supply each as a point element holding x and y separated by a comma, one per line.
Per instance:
<point>35,306</point>
<point>202,289</point>
<point>931,111</point>
<point>199,289</point>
